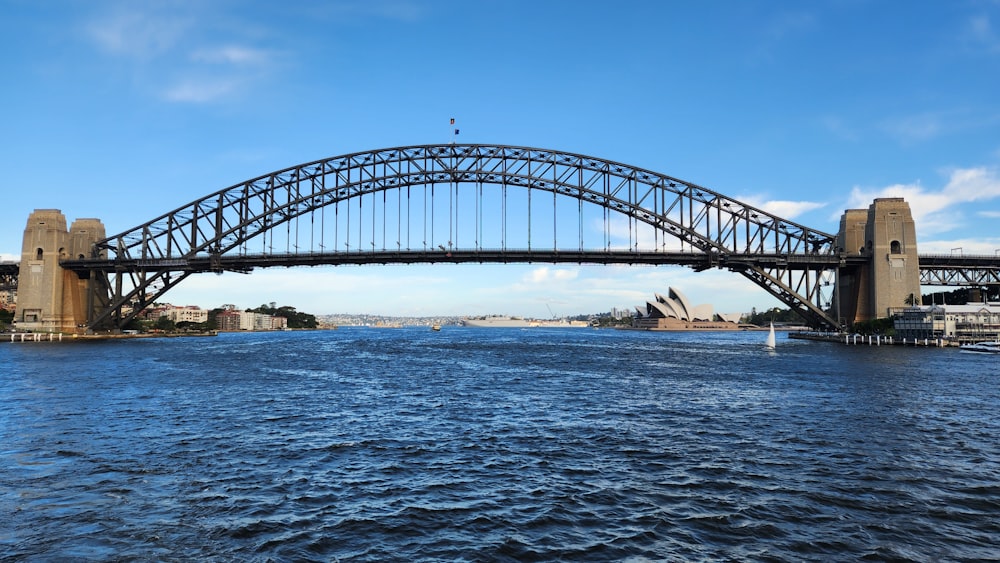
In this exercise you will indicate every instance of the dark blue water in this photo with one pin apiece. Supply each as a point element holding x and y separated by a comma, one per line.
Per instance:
<point>496,445</point>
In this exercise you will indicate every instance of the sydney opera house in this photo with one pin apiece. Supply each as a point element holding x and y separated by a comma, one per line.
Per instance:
<point>675,312</point>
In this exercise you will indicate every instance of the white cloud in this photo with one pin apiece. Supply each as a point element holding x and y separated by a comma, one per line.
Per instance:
<point>965,246</point>
<point>4,257</point>
<point>933,210</point>
<point>545,275</point>
<point>973,184</point>
<point>789,209</point>
<point>785,209</point>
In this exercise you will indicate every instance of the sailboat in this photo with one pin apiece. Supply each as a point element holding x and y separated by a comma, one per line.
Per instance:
<point>770,337</point>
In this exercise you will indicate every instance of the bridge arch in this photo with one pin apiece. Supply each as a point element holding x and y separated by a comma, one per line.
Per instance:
<point>218,232</point>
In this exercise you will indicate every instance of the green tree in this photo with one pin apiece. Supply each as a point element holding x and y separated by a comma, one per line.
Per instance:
<point>295,318</point>
<point>165,324</point>
<point>774,314</point>
<point>883,326</point>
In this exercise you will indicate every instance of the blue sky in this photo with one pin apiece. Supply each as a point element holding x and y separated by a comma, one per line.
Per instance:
<point>125,110</point>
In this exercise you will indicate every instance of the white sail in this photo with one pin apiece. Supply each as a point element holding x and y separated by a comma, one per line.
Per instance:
<point>770,337</point>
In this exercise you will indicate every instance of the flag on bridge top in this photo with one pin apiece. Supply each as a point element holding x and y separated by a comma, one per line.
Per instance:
<point>453,121</point>
<point>456,131</point>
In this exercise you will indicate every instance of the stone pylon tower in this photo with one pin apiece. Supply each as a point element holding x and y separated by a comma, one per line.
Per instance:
<point>886,235</point>
<point>49,298</point>
<point>852,285</point>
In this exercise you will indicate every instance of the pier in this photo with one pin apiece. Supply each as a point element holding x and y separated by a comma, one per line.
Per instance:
<point>851,339</point>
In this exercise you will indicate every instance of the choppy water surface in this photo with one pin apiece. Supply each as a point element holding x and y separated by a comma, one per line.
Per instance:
<point>494,445</point>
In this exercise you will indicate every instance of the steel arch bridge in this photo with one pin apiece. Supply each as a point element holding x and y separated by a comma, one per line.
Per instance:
<point>461,203</point>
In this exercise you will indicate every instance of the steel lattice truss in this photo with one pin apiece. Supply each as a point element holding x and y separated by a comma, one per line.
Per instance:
<point>277,219</point>
<point>958,270</point>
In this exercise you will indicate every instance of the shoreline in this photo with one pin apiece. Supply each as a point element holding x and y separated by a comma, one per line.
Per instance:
<point>62,337</point>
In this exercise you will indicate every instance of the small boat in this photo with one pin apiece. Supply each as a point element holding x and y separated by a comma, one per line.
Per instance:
<point>435,328</point>
<point>770,338</point>
<point>982,347</point>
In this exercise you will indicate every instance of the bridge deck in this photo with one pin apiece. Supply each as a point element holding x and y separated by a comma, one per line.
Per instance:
<point>692,259</point>
<point>696,260</point>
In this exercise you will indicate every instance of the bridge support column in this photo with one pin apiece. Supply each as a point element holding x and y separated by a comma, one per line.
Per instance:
<point>50,299</point>
<point>886,235</point>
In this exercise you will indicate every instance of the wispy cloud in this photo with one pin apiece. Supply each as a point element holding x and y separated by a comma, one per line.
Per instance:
<point>347,10</point>
<point>232,54</point>
<point>138,34</point>
<point>926,126</point>
<point>980,32</point>
<point>914,128</point>
<point>200,91</point>
<point>789,23</point>
<point>174,54</point>
<point>776,30</point>
<point>839,127</point>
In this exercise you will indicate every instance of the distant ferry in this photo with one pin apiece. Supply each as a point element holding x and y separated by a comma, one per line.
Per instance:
<point>518,322</point>
<point>982,347</point>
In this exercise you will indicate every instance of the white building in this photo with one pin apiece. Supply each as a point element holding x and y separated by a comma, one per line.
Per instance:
<point>675,312</point>
<point>188,314</point>
<point>965,323</point>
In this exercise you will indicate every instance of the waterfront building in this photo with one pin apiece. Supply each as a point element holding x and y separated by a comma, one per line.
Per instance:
<point>675,312</point>
<point>247,320</point>
<point>228,320</point>
<point>972,322</point>
<point>233,320</point>
<point>189,314</point>
<point>153,313</point>
<point>8,299</point>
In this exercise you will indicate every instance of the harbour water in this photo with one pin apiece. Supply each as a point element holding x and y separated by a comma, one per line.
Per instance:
<point>497,445</point>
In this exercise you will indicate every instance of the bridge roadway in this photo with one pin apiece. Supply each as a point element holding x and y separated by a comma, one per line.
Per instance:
<point>244,263</point>
<point>935,269</point>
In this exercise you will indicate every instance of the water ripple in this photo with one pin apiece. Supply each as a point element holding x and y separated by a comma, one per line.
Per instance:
<point>496,445</point>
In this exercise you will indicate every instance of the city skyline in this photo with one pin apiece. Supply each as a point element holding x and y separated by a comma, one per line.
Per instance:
<point>124,111</point>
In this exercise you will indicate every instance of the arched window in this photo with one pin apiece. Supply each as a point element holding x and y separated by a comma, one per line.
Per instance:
<point>895,247</point>
<point>38,254</point>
